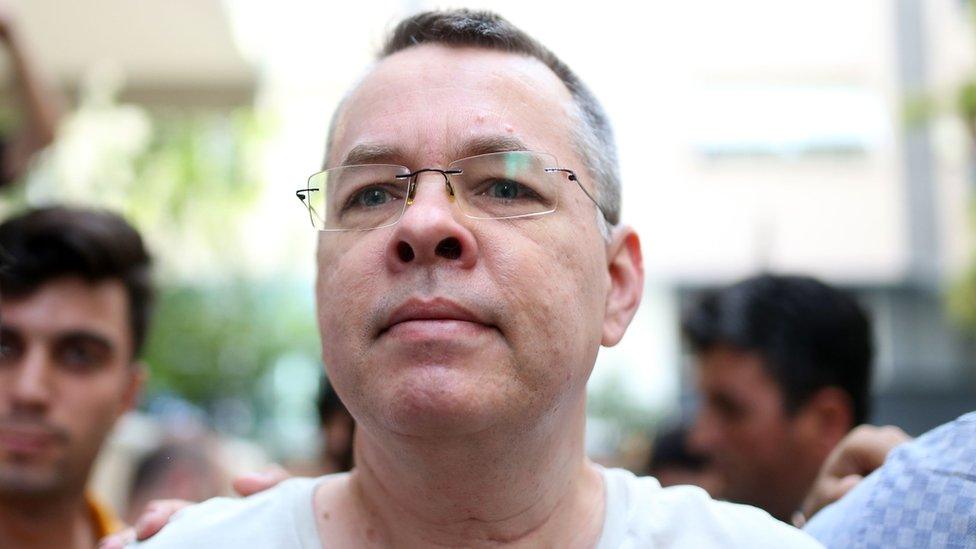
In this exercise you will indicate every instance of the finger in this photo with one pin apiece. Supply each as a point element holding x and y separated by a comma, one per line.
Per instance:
<point>253,483</point>
<point>845,485</point>
<point>825,492</point>
<point>874,447</point>
<point>157,515</point>
<point>863,450</point>
<point>118,540</point>
<point>835,491</point>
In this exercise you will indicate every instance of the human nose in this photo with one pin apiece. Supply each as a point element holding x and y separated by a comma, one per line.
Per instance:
<point>31,387</point>
<point>429,230</point>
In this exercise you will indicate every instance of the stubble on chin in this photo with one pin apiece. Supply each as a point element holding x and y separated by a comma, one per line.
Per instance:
<point>19,479</point>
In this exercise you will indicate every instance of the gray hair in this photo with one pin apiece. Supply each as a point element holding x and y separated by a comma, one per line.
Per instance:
<point>592,134</point>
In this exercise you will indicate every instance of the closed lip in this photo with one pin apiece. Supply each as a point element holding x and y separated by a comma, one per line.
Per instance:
<point>27,438</point>
<point>432,309</point>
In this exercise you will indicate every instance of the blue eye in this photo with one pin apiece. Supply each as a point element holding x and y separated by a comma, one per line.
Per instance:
<point>370,197</point>
<point>506,189</point>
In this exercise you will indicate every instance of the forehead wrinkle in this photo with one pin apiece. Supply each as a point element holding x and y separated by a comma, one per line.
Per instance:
<point>515,86</point>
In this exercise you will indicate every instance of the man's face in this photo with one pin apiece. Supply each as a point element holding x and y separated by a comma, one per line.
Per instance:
<point>504,326</point>
<point>65,377</point>
<point>743,427</point>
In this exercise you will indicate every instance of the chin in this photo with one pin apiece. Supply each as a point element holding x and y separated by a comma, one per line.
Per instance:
<point>441,401</point>
<point>29,481</point>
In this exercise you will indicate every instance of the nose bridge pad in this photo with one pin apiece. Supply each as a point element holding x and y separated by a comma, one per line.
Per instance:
<point>414,182</point>
<point>450,188</point>
<point>411,189</point>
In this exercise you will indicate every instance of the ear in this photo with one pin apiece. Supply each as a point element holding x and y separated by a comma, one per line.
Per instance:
<point>134,382</point>
<point>626,268</point>
<point>829,416</point>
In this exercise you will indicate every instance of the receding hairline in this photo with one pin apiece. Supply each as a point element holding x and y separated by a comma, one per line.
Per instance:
<point>366,152</point>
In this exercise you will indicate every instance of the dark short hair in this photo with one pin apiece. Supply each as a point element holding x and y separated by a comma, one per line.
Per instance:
<point>671,449</point>
<point>594,139</point>
<point>327,401</point>
<point>153,467</point>
<point>808,334</point>
<point>95,245</point>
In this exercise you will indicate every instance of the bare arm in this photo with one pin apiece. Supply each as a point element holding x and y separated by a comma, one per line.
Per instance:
<point>42,106</point>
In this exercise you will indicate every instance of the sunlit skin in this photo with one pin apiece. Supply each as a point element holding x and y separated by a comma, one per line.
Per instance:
<point>66,375</point>
<point>763,455</point>
<point>471,410</point>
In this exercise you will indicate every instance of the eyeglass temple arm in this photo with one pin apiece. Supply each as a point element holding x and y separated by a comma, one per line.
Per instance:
<point>572,177</point>
<point>300,193</point>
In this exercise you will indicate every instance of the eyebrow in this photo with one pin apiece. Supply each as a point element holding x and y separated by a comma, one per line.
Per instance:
<point>491,144</point>
<point>372,153</point>
<point>87,337</point>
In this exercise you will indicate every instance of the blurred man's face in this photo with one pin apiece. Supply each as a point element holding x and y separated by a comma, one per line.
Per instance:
<point>758,450</point>
<point>65,377</point>
<point>506,331</point>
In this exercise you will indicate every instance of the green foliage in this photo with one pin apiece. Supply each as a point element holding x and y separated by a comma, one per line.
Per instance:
<point>612,400</point>
<point>196,159</point>
<point>961,298</point>
<point>918,110</point>
<point>215,342</point>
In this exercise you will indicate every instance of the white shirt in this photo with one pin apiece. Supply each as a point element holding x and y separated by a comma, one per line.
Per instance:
<point>639,513</point>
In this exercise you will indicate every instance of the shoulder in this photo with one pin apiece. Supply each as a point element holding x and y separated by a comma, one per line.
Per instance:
<point>278,517</point>
<point>924,489</point>
<point>686,516</point>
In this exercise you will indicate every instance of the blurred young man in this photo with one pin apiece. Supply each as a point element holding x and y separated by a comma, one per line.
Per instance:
<point>76,299</point>
<point>784,367</point>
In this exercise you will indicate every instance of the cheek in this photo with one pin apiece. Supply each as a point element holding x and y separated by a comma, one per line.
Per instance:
<point>348,286</point>
<point>551,291</point>
<point>759,437</point>
<point>344,321</point>
<point>88,408</point>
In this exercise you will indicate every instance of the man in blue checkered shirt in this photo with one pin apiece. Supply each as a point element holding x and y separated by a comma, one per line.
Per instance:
<point>923,496</point>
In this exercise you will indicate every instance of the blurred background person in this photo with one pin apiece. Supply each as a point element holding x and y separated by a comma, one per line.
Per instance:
<point>187,469</point>
<point>39,105</point>
<point>783,366</point>
<point>898,492</point>
<point>76,305</point>
<point>337,426</point>
<point>673,463</point>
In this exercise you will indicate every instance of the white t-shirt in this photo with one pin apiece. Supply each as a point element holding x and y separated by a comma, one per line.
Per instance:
<point>639,513</point>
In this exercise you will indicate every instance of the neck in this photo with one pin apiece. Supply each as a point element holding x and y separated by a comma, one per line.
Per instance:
<point>531,488</point>
<point>48,522</point>
<point>793,479</point>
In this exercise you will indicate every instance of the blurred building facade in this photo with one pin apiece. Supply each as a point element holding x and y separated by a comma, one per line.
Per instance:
<point>809,161</point>
<point>177,53</point>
